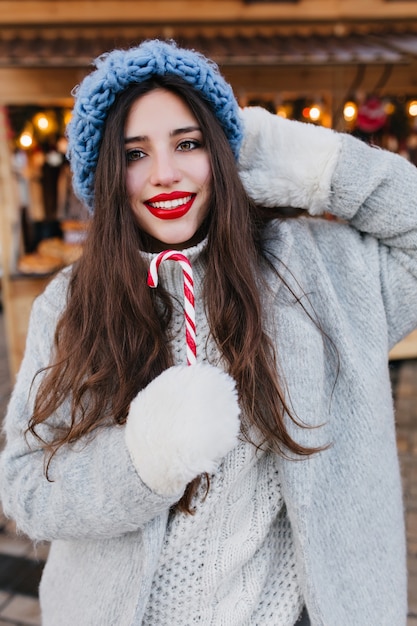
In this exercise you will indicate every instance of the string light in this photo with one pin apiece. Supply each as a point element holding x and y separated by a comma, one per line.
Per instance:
<point>41,122</point>
<point>412,108</point>
<point>350,111</point>
<point>314,113</point>
<point>26,139</point>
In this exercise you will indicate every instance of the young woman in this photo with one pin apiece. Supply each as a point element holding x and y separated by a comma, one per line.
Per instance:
<point>260,484</point>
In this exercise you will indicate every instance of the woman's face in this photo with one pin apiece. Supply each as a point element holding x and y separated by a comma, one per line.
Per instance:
<point>168,170</point>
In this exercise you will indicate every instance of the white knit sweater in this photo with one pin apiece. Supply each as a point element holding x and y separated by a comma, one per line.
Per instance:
<point>242,566</point>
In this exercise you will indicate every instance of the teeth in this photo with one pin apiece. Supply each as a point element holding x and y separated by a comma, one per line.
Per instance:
<point>170,204</point>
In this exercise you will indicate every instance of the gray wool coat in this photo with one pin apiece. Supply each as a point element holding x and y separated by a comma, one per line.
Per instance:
<point>358,277</point>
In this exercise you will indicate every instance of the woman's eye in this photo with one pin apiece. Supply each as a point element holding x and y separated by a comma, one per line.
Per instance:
<point>188,144</point>
<point>134,155</point>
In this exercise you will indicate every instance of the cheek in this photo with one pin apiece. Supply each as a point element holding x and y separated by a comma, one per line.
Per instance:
<point>134,181</point>
<point>204,175</point>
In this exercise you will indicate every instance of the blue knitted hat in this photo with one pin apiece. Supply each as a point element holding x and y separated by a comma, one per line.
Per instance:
<point>114,72</point>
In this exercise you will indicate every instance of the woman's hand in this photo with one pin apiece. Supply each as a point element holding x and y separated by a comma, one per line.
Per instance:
<point>181,425</point>
<point>287,163</point>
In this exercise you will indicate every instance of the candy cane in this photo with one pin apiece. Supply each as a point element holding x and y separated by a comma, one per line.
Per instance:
<point>189,309</point>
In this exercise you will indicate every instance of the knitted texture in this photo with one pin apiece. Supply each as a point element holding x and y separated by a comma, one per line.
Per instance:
<point>242,565</point>
<point>115,71</point>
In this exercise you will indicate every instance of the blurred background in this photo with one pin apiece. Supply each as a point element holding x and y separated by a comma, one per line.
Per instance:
<point>346,64</point>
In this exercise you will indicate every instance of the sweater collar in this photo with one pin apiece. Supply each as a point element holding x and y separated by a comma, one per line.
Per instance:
<point>191,253</point>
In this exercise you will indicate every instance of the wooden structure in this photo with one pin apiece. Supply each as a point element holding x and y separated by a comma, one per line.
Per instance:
<point>267,50</point>
<point>305,46</point>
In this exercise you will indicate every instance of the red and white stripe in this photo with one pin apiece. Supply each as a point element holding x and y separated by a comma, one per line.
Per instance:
<point>189,305</point>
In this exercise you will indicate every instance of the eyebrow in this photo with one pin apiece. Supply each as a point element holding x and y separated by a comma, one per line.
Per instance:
<point>173,133</point>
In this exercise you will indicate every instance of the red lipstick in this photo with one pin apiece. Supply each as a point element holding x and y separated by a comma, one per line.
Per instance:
<point>169,212</point>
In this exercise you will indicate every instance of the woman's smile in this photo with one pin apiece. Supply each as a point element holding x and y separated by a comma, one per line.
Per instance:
<point>170,206</point>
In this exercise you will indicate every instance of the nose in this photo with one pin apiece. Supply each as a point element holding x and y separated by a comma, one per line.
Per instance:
<point>164,171</point>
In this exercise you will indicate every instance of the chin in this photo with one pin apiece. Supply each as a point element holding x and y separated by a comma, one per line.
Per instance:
<point>185,240</point>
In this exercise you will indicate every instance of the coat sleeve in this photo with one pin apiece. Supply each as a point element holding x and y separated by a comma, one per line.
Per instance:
<point>375,191</point>
<point>291,163</point>
<point>94,490</point>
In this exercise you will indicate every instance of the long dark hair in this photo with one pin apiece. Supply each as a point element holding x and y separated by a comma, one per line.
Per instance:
<point>109,343</point>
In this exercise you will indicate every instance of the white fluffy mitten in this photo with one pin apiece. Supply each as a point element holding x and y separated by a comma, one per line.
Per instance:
<point>181,425</point>
<point>287,163</point>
